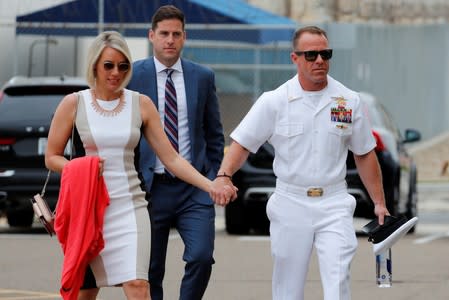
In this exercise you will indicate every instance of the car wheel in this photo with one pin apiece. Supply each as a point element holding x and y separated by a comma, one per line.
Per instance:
<point>364,210</point>
<point>392,195</point>
<point>412,205</point>
<point>20,216</point>
<point>259,220</point>
<point>235,219</point>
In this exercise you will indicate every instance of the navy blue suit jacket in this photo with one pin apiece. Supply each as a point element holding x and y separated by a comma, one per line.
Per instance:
<point>205,128</point>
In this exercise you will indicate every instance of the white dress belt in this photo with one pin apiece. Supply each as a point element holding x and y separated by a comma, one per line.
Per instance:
<point>311,191</point>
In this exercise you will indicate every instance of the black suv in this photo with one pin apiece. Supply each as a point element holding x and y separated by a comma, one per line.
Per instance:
<point>256,180</point>
<point>27,105</point>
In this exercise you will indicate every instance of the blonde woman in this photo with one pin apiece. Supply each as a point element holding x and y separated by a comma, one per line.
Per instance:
<point>110,121</point>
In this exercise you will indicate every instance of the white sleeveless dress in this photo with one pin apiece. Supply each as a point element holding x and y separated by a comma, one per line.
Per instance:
<point>126,229</point>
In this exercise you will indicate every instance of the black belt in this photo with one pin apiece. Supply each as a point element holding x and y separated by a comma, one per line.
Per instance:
<point>165,178</point>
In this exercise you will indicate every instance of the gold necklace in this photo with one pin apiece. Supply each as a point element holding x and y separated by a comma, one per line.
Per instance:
<point>105,112</point>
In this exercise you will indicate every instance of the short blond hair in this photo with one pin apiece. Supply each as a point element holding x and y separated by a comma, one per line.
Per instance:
<point>112,39</point>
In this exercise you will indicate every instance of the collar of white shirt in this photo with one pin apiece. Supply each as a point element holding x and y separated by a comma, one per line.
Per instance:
<point>160,67</point>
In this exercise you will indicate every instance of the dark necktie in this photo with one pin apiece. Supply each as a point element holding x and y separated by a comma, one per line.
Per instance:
<point>171,111</point>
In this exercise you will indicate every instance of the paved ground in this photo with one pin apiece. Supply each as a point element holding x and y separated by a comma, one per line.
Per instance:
<point>243,267</point>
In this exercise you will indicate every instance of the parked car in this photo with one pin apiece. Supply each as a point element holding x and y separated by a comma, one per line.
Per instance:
<point>256,180</point>
<point>27,105</point>
<point>2,201</point>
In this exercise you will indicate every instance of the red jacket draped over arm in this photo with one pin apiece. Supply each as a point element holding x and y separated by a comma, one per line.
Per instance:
<point>82,202</point>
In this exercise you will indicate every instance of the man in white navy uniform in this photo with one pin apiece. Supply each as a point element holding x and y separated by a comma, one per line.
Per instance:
<point>312,121</point>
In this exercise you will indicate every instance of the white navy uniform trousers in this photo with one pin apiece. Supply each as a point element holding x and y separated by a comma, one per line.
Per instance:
<point>311,133</point>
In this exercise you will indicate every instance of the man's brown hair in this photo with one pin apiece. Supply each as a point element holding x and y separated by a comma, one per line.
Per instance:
<point>167,12</point>
<point>309,29</point>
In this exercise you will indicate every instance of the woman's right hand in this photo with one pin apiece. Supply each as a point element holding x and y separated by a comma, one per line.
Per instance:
<point>100,167</point>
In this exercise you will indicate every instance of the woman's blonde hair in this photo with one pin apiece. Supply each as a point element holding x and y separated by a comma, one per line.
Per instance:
<point>111,39</point>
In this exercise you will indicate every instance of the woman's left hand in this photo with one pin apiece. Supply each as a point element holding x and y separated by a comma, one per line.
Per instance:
<point>223,191</point>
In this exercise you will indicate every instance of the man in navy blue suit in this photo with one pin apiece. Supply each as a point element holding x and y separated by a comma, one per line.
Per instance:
<point>198,134</point>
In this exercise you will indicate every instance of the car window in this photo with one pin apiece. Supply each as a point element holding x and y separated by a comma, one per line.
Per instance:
<point>375,117</point>
<point>35,103</point>
<point>389,122</point>
<point>380,117</point>
<point>28,108</point>
<point>42,90</point>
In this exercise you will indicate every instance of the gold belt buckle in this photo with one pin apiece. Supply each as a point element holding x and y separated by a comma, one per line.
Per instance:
<point>315,192</point>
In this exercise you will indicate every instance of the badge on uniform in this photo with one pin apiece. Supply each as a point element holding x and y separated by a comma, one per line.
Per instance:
<point>340,113</point>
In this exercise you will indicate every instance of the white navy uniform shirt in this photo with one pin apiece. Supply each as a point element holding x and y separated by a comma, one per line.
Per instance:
<point>311,132</point>
<point>183,122</point>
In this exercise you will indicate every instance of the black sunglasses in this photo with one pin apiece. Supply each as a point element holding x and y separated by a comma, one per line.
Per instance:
<point>122,67</point>
<point>313,54</point>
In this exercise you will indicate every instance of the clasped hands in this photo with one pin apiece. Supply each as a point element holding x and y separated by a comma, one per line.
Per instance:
<point>223,191</point>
